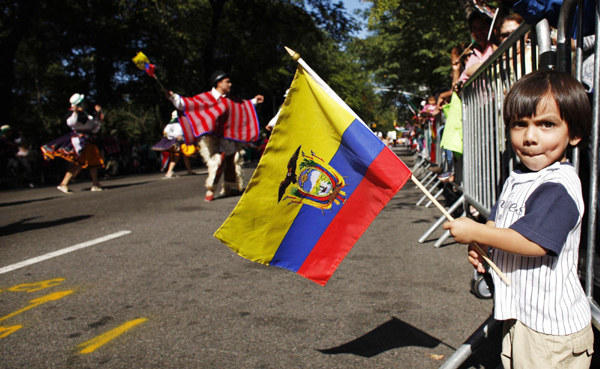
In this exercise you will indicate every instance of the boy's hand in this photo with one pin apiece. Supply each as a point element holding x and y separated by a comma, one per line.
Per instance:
<point>462,229</point>
<point>476,259</point>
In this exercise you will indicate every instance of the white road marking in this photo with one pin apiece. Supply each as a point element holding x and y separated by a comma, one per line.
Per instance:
<point>60,252</point>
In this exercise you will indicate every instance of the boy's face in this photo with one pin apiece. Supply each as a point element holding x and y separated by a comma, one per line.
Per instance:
<point>541,140</point>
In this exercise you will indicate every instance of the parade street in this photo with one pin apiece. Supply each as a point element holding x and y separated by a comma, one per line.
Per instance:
<point>132,277</point>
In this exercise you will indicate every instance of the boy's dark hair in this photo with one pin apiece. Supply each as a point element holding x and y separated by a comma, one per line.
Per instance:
<point>570,97</point>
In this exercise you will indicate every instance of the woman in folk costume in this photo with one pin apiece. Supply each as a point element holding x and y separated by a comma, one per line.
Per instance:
<point>172,142</point>
<point>80,146</point>
<point>222,125</point>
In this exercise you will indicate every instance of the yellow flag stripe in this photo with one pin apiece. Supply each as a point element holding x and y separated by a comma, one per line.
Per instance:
<point>309,118</point>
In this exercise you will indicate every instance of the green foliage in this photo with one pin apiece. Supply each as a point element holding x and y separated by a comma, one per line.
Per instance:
<point>73,46</point>
<point>410,46</point>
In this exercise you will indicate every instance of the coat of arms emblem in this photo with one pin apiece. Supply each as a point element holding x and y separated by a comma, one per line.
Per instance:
<point>311,181</point>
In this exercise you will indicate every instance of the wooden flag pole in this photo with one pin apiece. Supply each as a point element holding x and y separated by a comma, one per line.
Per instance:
<point>296,57</point>
<point>160,84</point>
<point>322,83</point>
<point>450,218</point>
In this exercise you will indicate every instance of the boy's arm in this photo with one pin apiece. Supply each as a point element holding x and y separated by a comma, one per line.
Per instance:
<point>466,231</point>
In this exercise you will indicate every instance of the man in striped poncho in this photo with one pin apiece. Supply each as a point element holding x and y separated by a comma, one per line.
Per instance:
<point>221,125</point>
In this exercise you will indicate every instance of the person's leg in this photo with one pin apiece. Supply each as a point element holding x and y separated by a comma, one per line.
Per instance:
<point>96,186</point>
<point>230,149</point>
<point>229,175</point>
<point>172,163</point>
<point>507,340</point>
<point>188,166</point>
<point>209,150</point>
<point>239,169</point>
<point>73,170</point>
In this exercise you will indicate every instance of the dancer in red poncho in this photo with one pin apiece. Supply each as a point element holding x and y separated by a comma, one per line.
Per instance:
<point>221,125</point>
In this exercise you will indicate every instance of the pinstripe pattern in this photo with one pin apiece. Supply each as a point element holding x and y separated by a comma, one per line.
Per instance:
<point>545,293</point>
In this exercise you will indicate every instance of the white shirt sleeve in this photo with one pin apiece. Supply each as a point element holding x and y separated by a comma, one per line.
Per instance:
<point>177,101</point>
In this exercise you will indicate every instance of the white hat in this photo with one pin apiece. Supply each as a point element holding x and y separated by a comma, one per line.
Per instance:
<point>174,116</point>
<point>76,99</point>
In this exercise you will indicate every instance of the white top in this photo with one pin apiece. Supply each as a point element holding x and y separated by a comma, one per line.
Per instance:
<point>81,122</point>
<point>173,130</point>
<point>546,295</point>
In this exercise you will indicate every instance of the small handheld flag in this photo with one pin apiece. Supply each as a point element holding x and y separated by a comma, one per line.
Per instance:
<point>143,63</point>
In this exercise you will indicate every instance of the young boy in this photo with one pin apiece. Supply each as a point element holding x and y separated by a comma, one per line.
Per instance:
<point>534,228</point>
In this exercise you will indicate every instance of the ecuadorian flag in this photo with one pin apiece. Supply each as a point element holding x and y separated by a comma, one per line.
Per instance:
<point>323,178</point>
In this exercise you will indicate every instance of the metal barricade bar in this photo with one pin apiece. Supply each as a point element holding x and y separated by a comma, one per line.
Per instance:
<point>471,344</point>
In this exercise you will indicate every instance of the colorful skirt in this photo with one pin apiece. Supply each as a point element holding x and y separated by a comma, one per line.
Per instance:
<point>175,147</point>
<point>76,148</point>
<point>166,144</point>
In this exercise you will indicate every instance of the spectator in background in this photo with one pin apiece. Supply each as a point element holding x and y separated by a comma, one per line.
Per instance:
<point>458,59</point>
<point>507,26</point>
<point>428,113</point>
<point>112,153</point>
<point>173,143</point>
<point>479,25</point>
<point>8,151</point>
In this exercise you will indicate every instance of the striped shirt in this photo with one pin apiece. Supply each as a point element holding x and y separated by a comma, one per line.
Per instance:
<point>546,295</point>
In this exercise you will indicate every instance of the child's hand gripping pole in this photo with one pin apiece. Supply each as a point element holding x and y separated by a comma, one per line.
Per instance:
<point>450,218</point>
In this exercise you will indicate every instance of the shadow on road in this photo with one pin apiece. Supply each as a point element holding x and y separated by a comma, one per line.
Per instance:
<point>390,335</point>
<point>24,225</point>
<point>112,187</point>
<point>3,204</point>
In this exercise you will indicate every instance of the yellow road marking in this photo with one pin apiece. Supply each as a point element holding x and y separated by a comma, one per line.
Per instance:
<point>104,338</point>
<point>33,287</point>
<point>39,301</point>
<point>5,331</point>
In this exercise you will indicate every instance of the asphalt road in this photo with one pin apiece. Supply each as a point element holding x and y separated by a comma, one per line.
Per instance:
<point>167,294</point>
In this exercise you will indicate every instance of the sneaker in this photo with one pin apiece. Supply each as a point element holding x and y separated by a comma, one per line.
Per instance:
<point>64,189</point>
<point>96,188</point>
<point>445,175</point>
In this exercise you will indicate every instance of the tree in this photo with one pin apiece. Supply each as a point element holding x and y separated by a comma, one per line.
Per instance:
<point>67,46</point>
<point>410,48</point>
